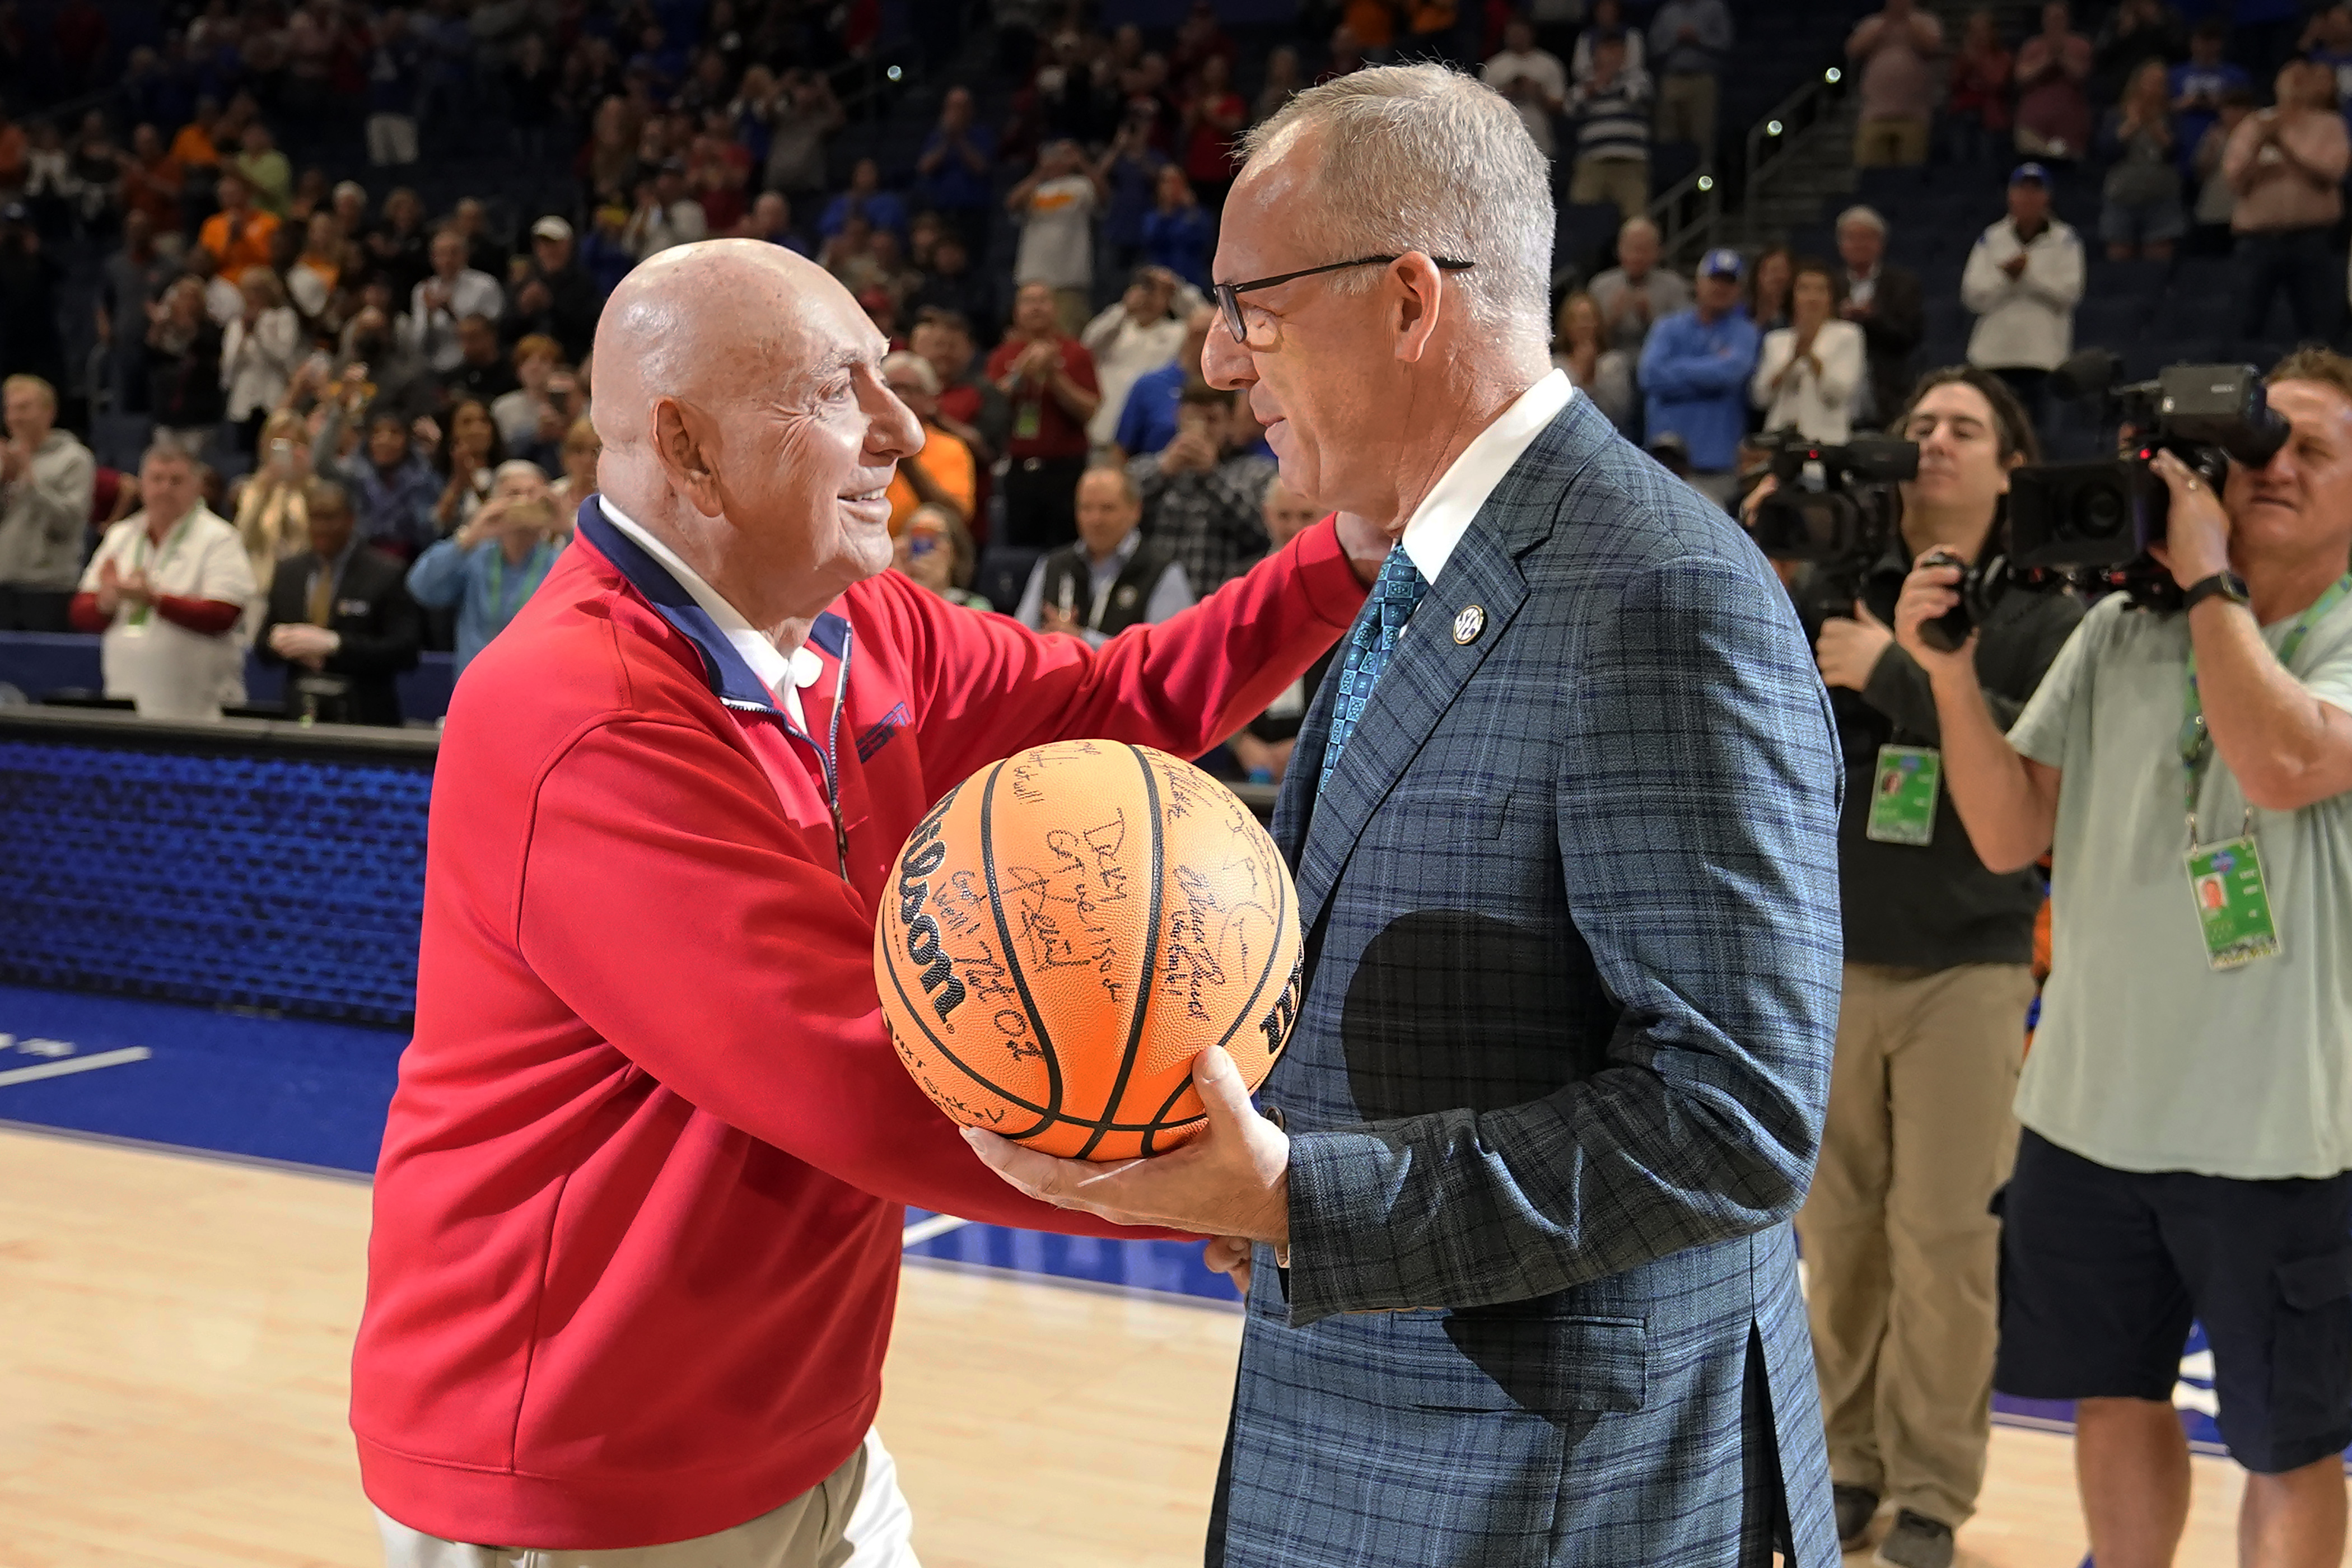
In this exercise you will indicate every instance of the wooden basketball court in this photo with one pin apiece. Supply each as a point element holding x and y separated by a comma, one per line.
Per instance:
<point>175,1335</point>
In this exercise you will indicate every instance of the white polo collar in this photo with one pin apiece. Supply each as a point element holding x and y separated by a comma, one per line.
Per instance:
<point>782,676</point>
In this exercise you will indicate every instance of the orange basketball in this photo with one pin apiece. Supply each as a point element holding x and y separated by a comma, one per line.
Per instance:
<point>1067,930</point>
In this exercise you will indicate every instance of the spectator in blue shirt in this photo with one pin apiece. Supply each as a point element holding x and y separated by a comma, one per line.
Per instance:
<point>1149,421</point>
<point>1130,166</point>
<point>1177,233</point>
<point>394,489</point>
<point>2197,85</point>
<point>1694,370</point>
<point>955,174</point>
<point>490,568</point>
<point>864,198</point>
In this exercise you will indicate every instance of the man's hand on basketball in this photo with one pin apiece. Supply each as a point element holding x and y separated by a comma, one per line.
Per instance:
<point>1232,1181</point>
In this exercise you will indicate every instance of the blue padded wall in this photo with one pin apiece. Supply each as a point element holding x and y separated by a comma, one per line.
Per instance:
<point>291,884</point>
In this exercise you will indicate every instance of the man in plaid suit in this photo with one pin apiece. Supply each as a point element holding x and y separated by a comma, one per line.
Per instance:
<point>1514,1224</point>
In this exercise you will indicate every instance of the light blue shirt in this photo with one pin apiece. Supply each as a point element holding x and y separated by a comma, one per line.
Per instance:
<point>487,588</point>
<point>2146,1058</point>
<point>1171,592</point>
<point>1695,375</point>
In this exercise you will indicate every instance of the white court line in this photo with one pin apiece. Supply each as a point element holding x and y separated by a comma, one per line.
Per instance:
<point>923,1230</point>
<point>76,1064</point>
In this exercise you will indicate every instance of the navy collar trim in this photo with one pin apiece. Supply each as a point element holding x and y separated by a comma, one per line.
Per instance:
<point>730,678</point>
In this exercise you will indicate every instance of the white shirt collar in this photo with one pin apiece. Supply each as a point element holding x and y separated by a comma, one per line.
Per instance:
<point>783,677</point>
<point>1447,512</point>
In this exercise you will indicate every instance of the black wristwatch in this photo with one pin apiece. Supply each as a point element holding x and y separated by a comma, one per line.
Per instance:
<point>2221,585</point>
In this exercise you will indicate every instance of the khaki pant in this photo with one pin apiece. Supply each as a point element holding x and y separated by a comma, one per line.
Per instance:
<point>1686,112</point>
<point>854,1518</point>
<point>1890,144</point>
<point>1625,181</point>
<point>1900,1251</point>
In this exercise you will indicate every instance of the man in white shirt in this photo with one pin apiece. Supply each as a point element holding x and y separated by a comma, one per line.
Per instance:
<point>452,293</point>
<point>167,588</point>
<point>1139,335</point>
<point>1532,78</point>
<point>666,215</point>
<point>2023,279</point>
<point>1055,206</point>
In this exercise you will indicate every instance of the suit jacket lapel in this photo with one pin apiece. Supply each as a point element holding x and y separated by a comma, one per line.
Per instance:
<point>1429,668</point>
<point>1424,674</point>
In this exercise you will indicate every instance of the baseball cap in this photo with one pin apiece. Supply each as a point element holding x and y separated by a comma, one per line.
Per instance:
<point>2030,174</point>
<point>550,228</point>
<point>1723,262</point>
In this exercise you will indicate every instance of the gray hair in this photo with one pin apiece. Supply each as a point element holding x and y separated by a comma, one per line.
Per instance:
<point>1424,158</point>
<point>515,468</point>
<point>166,448</point>
<point>915,365</point>
<point>1866,216</point>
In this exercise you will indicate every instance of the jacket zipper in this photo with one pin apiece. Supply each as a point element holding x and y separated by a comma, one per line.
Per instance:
<point>826,754</point>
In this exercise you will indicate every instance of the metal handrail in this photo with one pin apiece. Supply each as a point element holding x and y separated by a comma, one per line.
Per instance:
<point>1673,211</point>
<point>1772,141</point>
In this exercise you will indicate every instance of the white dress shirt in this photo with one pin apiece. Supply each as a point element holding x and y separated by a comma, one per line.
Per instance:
<point>1818,407</point>
<point>782,677</point>
<point>1445,514</point>
<point>432,330</point>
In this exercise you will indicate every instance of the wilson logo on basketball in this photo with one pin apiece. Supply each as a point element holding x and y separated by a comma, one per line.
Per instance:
<point>923,856</point>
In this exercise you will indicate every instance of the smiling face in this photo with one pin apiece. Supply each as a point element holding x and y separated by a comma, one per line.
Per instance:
<point>2298,504</point>
<point>803,469</point>
<point>1319,368</point>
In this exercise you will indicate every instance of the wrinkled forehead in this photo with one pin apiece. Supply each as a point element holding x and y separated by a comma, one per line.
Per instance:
<point>1270,212</point>
<point>2314,409</point>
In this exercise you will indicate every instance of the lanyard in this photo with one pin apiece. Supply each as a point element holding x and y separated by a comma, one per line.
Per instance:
<point>2196,743</point>
<point>536,564</point>
<point>142,546</point>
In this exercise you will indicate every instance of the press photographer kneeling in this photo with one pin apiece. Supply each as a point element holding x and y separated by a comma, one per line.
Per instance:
<point>1899,1243</point>
<point>2187,1104</point>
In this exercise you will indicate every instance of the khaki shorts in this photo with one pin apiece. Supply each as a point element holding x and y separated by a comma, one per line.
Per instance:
<point>854,1518</point>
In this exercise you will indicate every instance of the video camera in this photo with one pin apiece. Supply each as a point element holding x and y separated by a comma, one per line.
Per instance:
<point>1830,506</point>
<point>2100,517</point>
<point>2091,523</point>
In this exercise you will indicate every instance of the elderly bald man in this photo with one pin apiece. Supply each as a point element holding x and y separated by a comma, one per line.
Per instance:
<point>1520,1279</point>
<point>637,1214</point>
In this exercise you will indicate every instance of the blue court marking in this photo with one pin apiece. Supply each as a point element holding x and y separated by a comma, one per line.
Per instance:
<point>305,1093</point>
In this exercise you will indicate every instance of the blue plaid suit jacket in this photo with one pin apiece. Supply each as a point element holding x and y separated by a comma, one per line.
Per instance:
<point>1558,1081</point>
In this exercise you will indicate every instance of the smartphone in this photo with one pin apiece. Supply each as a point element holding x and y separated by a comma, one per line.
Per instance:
<point>281,454</point>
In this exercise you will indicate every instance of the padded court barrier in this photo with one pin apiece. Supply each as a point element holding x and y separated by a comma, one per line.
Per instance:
<point>242,864</point>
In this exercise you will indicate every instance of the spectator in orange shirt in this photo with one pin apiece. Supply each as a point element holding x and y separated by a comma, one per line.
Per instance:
<point>942,473</point>
<point>238,236</point>
<point>193,147</point>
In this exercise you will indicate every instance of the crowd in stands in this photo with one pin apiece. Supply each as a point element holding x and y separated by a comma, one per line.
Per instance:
<point>240,209</point>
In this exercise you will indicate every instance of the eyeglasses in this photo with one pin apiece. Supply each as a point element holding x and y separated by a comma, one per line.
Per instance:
<point>1230,304</point>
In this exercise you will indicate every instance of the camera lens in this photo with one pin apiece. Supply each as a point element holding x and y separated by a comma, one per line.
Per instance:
<point>2099,512</point>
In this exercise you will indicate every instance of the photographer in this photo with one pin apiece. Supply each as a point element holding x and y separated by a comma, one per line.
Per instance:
<point>1896,1233</point>
<point>2187,1106</point>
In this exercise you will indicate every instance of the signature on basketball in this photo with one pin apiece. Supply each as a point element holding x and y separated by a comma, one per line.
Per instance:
<point>1057,905</point>
<point>1221,919</point>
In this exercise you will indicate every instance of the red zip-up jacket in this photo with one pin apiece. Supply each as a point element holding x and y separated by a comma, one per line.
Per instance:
<point>638,1216</point>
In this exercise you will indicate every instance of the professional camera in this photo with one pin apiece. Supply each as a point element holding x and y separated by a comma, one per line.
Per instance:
<point>1830,505</point>
<point>2091,523</point>
<point>2100,517</point>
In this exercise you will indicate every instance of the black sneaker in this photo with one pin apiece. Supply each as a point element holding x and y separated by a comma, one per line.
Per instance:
<point>1916,1542</point>
<point>1856,1507</point>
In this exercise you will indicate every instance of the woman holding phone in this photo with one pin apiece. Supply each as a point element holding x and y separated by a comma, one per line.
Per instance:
<point>495,561</point>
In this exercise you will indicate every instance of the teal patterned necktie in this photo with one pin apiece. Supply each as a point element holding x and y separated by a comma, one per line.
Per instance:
<point>1397,590</point>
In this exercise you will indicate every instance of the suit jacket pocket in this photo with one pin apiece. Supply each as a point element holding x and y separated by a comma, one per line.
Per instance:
<point>1551,1365</point>
<point>1438,815</point>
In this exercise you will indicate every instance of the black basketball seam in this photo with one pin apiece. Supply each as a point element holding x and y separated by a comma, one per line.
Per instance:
<point>914,1012</point>
<point>1053,1107</point>
<point>1150,953</point>
<point>1248,1012</point>
<point>884,924</point>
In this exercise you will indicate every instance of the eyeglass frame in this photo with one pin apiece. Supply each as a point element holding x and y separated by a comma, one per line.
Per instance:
<point>1229,304</point>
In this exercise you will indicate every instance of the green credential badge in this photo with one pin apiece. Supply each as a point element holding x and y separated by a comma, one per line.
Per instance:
<point>1903,795</point>
<point>2233,903</point>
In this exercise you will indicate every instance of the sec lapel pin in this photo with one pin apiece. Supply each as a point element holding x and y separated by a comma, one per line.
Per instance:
<point>1469,624</point>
